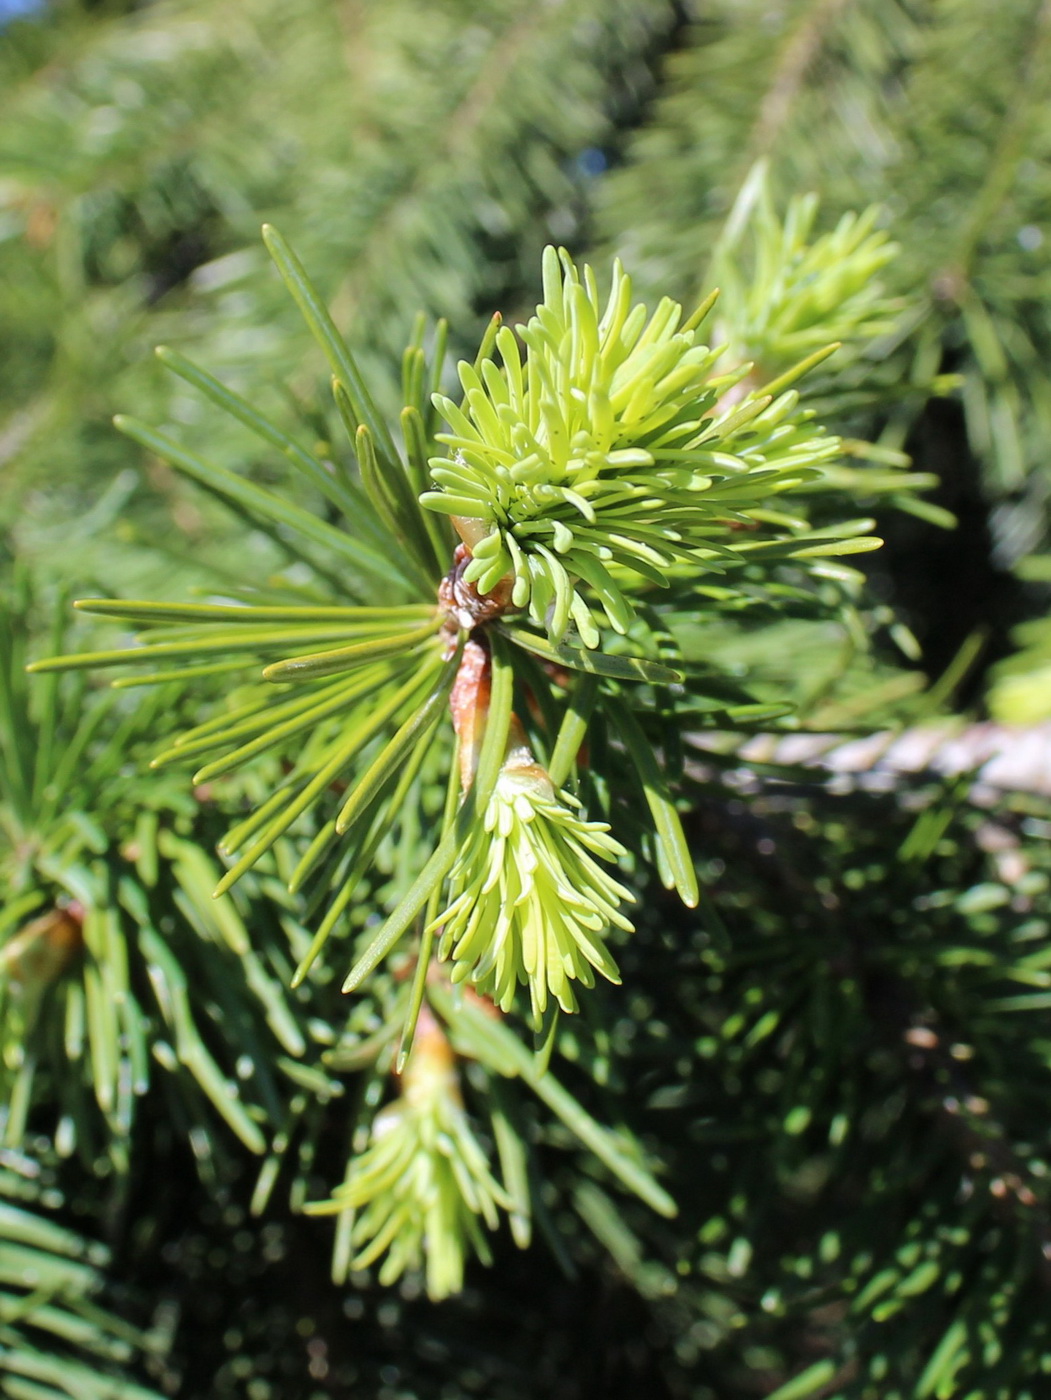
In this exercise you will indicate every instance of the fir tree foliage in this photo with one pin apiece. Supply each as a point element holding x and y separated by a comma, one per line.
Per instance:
<point>422,1189</point>
<point>784,294</point>
<point>138,156</point>
<point>108,925</point>
<point>1021,690</point>
<point>899,1183</point>
<point>57,1339</point>
<point>940,119</point>
<point>373,680</point>
<point>529,903</point>
<point>610,448</point>
<point>395,649</point>
<point>841,1054</point>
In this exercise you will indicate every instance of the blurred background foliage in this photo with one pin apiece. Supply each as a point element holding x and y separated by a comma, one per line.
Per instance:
<point>844,1063</point>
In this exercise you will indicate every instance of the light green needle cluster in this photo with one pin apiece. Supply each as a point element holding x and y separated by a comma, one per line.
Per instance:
<point>782,296</point>
<point>530,903</point>
<point>610,448</point>
<point>422,1188</point>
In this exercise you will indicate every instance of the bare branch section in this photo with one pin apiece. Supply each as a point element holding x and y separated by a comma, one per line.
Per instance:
<point>1001,758</point>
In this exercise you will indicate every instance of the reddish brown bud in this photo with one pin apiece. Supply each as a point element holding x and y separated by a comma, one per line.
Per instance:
<point>464,603</point>
<point>432,1065</point>
<point>469,704</point>
<point>42,950</point>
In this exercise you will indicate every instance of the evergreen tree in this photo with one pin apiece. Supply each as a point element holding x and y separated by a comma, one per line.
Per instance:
<point>499,692</point>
